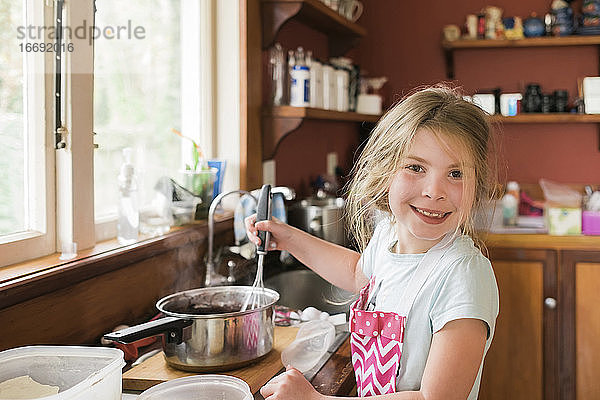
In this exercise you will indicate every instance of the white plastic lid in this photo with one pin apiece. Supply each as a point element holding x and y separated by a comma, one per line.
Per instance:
<point>512,185</point>
<point>200,387</point>
<point>75,369</point>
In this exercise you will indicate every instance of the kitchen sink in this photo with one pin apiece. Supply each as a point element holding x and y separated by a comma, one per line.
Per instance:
<point>299,289</point>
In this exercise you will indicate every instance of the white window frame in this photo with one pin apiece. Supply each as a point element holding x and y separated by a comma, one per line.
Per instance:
<point>65,179</point>
<point>39,238</point>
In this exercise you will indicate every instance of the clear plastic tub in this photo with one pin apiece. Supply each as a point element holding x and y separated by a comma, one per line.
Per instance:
<point>85,373</point>
<point>200,387</point>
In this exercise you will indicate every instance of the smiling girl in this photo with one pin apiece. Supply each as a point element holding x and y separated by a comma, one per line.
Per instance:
<point>428,299</point>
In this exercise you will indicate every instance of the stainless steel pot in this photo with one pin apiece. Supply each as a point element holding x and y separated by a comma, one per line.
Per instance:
<point>205,331</point>
<point>323,218</point>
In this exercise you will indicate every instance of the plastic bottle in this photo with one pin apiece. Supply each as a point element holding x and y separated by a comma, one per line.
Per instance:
<point>129,216</point>
<point>510,204</point>
<point>300,74</point>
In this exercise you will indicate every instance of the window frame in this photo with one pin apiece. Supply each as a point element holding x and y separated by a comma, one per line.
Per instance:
<point>39,237</point>
<point>66,184</point>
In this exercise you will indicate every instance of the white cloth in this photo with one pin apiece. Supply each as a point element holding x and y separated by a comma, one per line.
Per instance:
<point>462,286</point>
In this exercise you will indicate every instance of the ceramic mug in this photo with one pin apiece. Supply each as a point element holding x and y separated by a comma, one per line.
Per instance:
<point>351,9</point>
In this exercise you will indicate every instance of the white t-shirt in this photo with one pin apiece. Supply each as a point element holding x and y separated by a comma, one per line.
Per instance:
<point>463,285</point>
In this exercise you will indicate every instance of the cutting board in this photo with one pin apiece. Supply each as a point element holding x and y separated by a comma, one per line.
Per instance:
<point>155,369</point>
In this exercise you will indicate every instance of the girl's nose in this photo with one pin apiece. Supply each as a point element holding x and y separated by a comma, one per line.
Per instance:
<point>434,189</point>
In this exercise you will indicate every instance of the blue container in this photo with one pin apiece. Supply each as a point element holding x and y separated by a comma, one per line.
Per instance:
<point>220,166</point>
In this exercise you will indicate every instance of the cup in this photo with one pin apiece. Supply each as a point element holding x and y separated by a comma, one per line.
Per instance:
<point>351,9</point>
<point>220,166</point>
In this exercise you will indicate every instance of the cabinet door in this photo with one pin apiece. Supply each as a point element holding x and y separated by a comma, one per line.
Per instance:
<point>580,325</point>
<point>521,363</point>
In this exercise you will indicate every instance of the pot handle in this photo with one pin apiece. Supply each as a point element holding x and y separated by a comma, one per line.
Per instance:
<point>176,330</point>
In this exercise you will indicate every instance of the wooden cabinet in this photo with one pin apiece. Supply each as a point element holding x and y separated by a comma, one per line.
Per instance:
<point>546,344</point>
<point>521,363</point>
<point>580,325</point>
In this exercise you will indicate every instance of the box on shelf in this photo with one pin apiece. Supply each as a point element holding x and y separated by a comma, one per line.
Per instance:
<point>591,94</point>
<point>563,220</point>
<point>590,223</point>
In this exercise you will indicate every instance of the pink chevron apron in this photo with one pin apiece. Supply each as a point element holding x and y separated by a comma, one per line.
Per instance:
<point>376,337</point>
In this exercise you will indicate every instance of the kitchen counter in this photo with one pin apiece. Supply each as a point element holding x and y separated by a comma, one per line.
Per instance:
<point>537,241</point>
<point>335,376</point>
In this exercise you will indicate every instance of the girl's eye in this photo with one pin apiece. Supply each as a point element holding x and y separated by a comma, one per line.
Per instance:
<point>415,168</point>
<point>456,174</point>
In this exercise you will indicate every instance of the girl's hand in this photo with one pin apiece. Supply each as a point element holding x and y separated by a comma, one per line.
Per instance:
<point>280,232</point>
<point>291,385</point>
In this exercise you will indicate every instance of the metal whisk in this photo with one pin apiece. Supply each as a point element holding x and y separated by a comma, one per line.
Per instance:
<point>255,298</point>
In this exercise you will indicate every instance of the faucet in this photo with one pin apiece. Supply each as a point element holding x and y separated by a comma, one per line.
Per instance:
<point>212,277</point>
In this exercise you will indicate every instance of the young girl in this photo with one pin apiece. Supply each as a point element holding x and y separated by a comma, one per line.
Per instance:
<point>428,301</point>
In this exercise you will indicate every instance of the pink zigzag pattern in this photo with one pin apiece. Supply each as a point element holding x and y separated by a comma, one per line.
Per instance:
<point>375,361</point>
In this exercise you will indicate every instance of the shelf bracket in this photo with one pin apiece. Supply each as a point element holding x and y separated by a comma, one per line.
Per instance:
<point>338,46</point>
<point>274,15</point>
<point>449,56</point>
<point>274,130</point>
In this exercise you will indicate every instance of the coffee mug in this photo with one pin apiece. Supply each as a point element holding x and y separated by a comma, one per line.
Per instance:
<point>351,9</point>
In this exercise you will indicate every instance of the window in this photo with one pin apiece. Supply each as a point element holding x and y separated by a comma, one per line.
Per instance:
<point>134,70</point>
<point>26,214</point>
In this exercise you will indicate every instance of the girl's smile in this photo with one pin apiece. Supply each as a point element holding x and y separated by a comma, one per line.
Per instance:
<point>427,194</point>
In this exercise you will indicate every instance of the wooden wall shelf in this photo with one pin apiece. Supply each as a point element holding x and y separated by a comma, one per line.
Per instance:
<point>527,42</point>
<point>548,119</point>
<point>342,33</point>
<point>564,41</point>
<point>280,121</point>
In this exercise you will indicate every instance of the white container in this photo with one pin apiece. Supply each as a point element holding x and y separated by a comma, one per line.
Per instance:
<point>591,94</point>
<point>81,373</point>
<point>200,387</point>
<point>316,83</point>
<point>328,87</point>
<point>487,102</point>
<point>368,104</point>
<point>342,78</point>
<point>300,90</point>
<point>509,104</point>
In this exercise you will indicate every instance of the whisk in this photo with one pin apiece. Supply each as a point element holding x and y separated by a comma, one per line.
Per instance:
<point>255,298</point>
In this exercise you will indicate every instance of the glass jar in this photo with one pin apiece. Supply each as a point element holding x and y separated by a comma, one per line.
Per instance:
<point>532,99</point>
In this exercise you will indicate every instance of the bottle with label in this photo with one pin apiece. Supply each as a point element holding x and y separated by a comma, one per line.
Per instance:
<point>510,204</point>
<point>129,217</point>
<point>300,74</point>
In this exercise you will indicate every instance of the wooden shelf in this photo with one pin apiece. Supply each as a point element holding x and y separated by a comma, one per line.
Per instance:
<point>318,113</point>
<point>565,118</point>
<point>343,34</point>
<point>280,121</point>
<point>575,40</point>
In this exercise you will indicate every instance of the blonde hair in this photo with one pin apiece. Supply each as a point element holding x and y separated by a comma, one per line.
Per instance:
<point>441,110</point>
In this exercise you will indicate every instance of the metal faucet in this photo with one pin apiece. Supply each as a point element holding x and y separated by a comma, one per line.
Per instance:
<point>212,277</point>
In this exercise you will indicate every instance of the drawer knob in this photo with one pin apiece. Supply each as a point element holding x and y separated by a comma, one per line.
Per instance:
<point>550,302</point>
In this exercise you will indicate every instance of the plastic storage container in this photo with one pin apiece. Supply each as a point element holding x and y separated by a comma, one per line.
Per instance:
<point>81,373</point>
<point>200,387</point>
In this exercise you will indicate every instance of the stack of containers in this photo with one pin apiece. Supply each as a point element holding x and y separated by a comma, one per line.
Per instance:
<point>312,83</point>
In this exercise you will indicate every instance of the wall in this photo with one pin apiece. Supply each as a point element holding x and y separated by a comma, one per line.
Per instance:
<point>301,156</point>
<point>403,43</point>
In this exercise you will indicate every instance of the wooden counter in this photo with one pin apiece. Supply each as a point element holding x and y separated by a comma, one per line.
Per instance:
<point>336,377</point>
<point>531,241</point>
